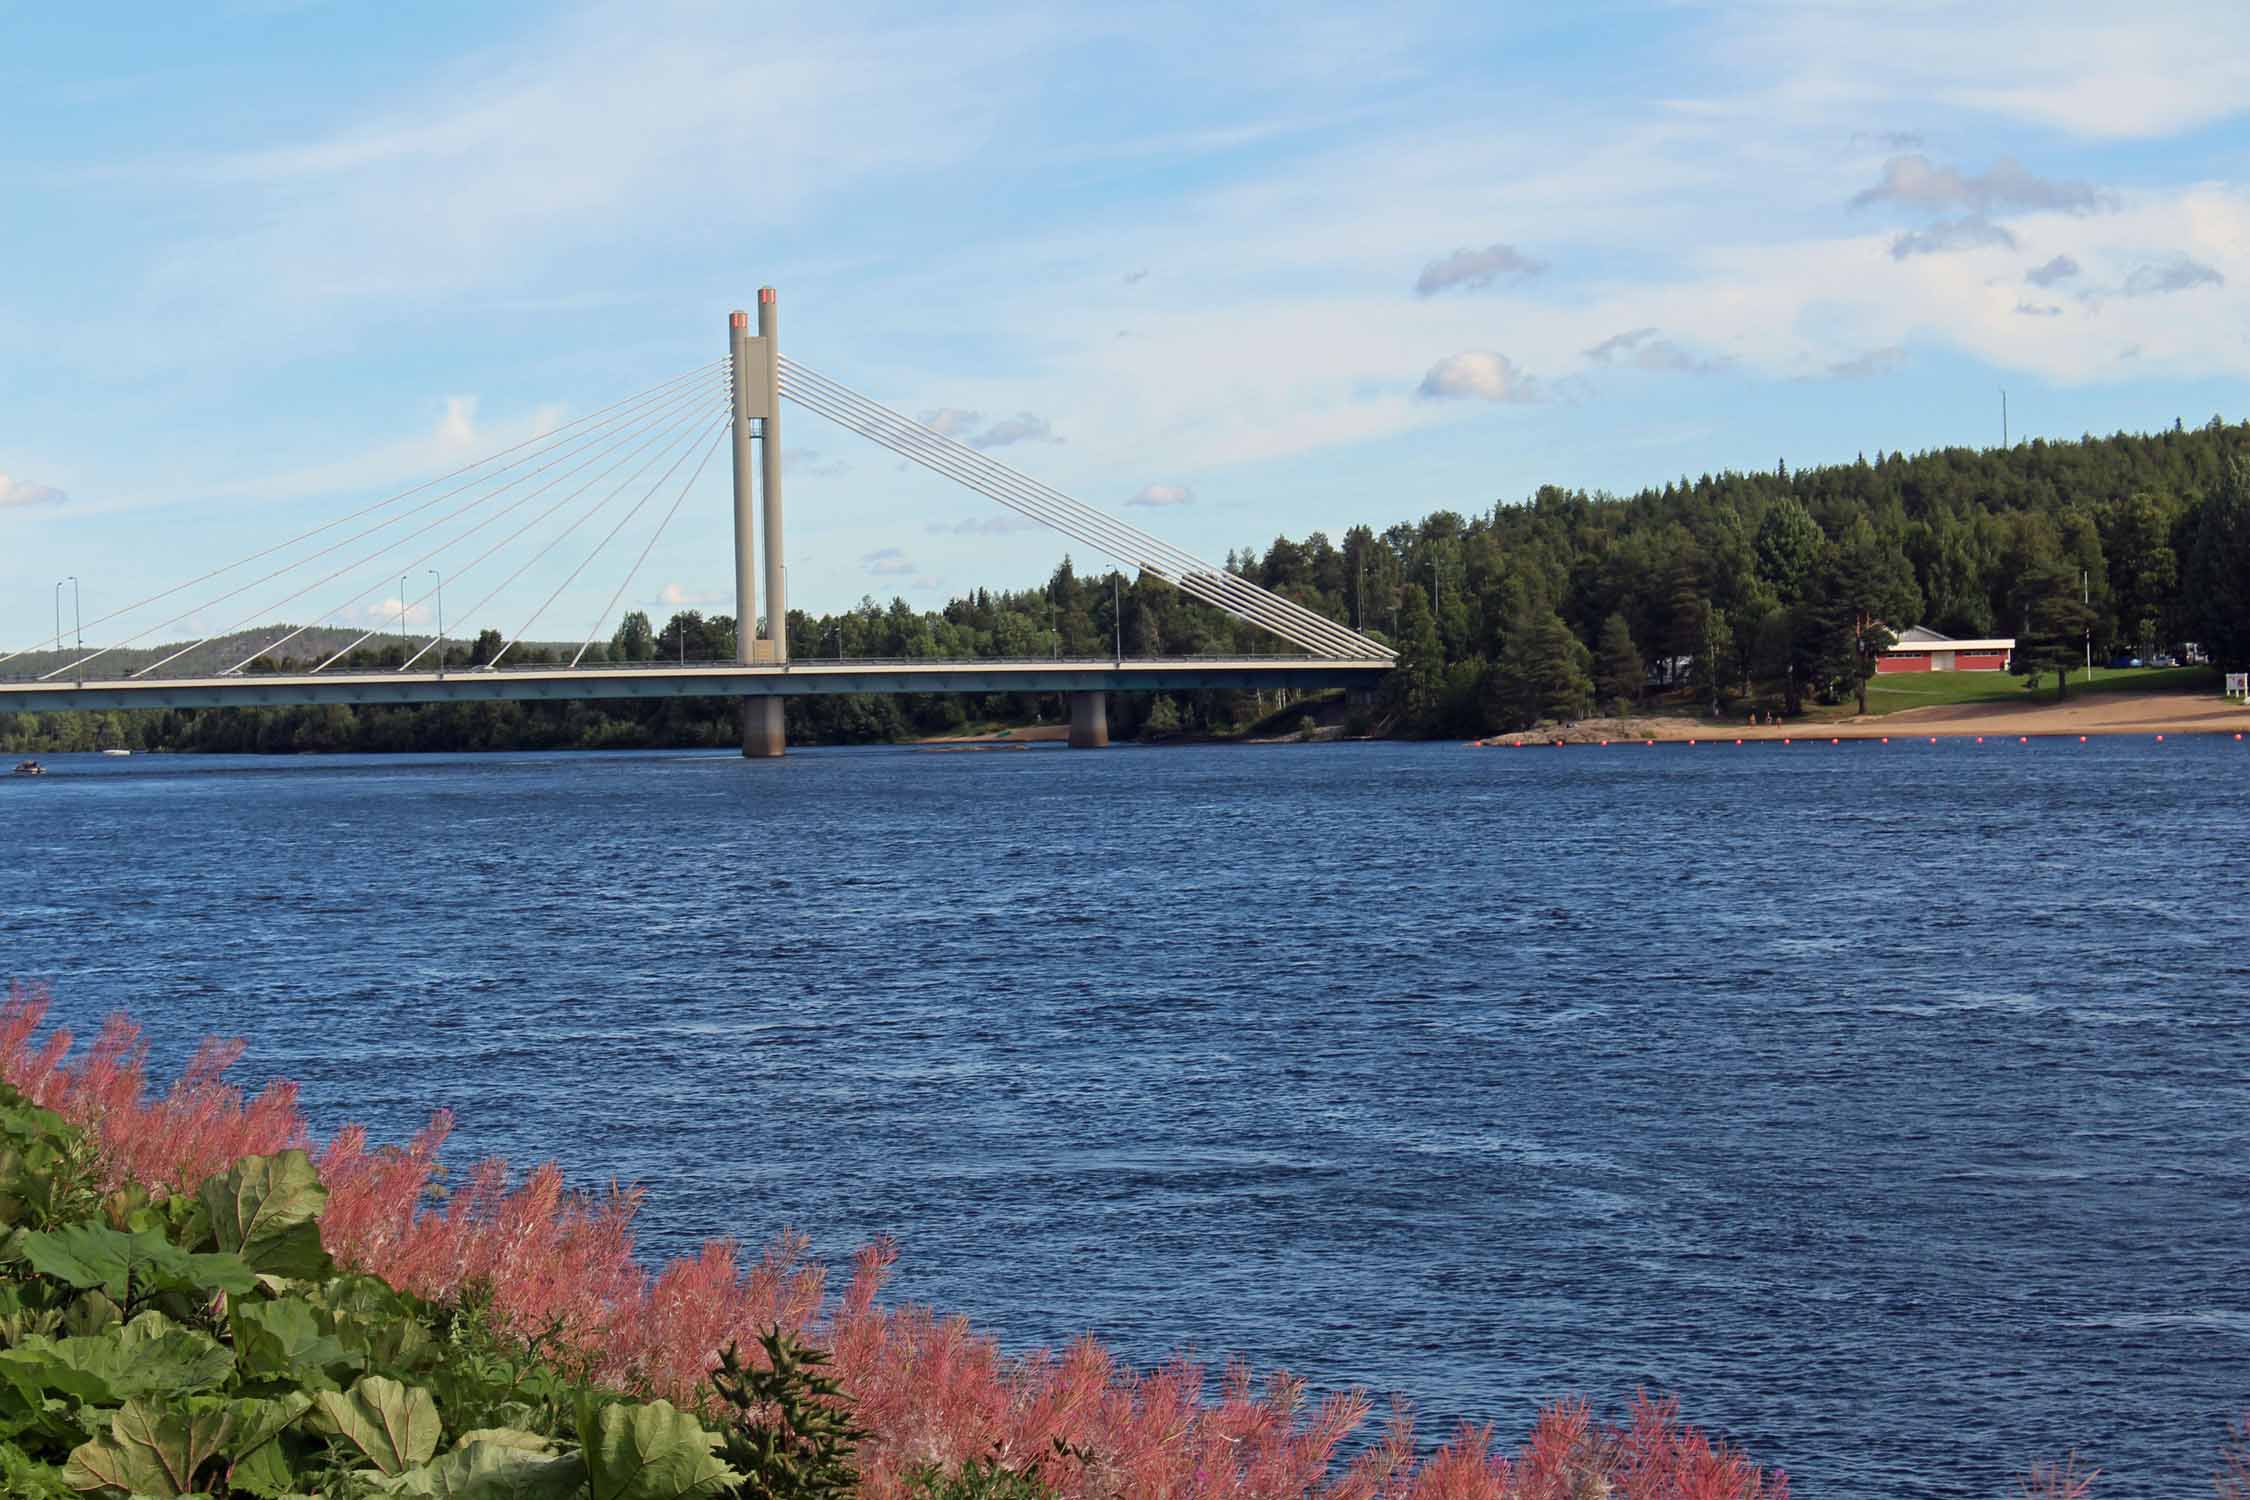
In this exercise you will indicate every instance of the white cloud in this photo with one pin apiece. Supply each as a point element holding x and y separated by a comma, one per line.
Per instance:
<point>1005,524</point>
<point>680,596</point>
<point>385,612</point>
<point>457,429</point>
<point>1477,374</point>
<point>1475,268</point>
<point>1644,349</point>
<point>886,562</point>
<point>1154,496</point>
<point>951,421</point>
<point>1866,366</point>
<point>1952,234</point>
<point>971,428</point>
<point>2179,274</point>
<point>1023,427</point>
<point>1917,182</point>
<point>23,492</point>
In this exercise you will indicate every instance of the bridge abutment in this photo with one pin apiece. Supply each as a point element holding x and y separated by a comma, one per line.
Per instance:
<point>763,734</point>
<point>1089,721</point>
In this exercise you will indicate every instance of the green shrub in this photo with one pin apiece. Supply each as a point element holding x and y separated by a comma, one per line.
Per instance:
<point>206,1345</point>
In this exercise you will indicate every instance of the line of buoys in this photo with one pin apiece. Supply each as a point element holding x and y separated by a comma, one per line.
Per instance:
<point>1518,744</point>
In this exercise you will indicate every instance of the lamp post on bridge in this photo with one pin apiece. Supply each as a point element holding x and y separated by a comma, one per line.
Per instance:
<point>77,615</point>
<point>440,577</point>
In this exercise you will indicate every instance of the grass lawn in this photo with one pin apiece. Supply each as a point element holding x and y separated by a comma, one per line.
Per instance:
<point>1889,694</point>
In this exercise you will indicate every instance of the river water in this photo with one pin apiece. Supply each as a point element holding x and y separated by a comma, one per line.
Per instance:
<point>1891,1104</point>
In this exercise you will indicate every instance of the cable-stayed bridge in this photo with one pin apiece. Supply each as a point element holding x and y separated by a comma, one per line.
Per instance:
<point>626,469</point>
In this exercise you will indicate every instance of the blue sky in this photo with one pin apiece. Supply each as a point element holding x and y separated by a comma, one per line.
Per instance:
<point>1284,267</point>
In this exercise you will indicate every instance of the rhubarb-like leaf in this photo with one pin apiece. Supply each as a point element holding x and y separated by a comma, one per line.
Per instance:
<point>266,1209</point>
<point>395,1427</point>
<point>149,1451</point>
<point>649,1452</point>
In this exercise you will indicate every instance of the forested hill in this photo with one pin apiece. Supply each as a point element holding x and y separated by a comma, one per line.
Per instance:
<point>1768,588</point>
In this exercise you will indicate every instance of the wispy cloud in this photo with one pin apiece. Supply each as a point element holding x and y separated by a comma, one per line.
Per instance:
<point>1866,366</point>
<point>1644,349</point>
<point>886,562</point>
<point>24,492</point>
<point>2180,274</point>
<point>1917,182</point>
<point>2038,310</point>
<point>970,427</point>
<point>1135,278</point>
<point>1477,375</point>
<point>1000,525</point>
<point>1952,234</point>
<point>2061,268</point>
<point>1023,427</point>
<point>680,596</point>
<point>385,612</point>
<point>1158,495</point>
<point>813,464</point>
<point>1475,268</point>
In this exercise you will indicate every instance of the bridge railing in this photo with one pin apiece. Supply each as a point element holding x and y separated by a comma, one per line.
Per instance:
<point>1278,658</point>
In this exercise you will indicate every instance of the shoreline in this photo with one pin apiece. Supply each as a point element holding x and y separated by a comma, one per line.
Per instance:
<point>2097,714</point>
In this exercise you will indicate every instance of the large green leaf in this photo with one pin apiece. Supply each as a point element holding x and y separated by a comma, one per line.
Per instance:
<point>149,1451</point>
<point>126,1266</point>
<point>394,1426</point>
<point>146,1357</point>
<point>484,1470</point>
<point>266,1209</point>
<point>649,1452</point>
<point>282,1339</point>
<point>256,1464</point>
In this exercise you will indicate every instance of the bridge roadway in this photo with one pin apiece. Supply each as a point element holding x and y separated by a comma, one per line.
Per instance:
<point>1083,679</point>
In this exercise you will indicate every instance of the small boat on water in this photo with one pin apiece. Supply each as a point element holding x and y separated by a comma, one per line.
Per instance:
<point>29,768</point>
<point>117,752</point>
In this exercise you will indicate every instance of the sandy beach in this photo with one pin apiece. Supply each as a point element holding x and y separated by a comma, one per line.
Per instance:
<point>2091,714</point>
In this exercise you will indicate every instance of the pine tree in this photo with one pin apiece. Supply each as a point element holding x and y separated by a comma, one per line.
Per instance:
<point>1619,671</point>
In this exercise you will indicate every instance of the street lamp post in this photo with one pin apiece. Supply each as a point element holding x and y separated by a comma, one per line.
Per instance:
<point>402,610</point>
<point>440,590</point>
<point>1117,612</point>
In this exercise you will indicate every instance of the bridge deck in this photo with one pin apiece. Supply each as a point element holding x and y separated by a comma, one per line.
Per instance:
<point>694,680</point>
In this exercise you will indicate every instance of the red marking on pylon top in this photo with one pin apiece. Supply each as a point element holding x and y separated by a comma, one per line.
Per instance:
<point>765,294</point>
<point>739,319</point>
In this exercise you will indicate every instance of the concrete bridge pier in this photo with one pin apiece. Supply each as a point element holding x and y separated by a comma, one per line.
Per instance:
<point>763,735</point>
<point>1089,721</point>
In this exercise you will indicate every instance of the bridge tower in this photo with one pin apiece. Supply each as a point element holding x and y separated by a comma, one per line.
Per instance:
<point>757,398</point>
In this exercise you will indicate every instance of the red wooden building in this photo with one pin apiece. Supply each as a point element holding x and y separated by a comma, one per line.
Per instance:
<point>1923,650</point>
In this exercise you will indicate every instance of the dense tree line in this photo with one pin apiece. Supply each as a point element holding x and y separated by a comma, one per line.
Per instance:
<point>1766,590</point>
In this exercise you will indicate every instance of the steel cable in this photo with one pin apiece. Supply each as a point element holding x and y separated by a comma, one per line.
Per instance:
<point>458,511</point>
<point>303,536</point>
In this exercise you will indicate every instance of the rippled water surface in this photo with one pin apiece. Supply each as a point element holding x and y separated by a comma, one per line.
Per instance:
<point>1888,1103</point>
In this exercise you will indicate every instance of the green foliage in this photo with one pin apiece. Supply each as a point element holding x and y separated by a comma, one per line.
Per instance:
<point>1619,671</point>
<point>154,1349</point>
<point>265,1211</point>
<point>2219,568</point>
<point>790,1434</point>
<point>1807,568</point>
